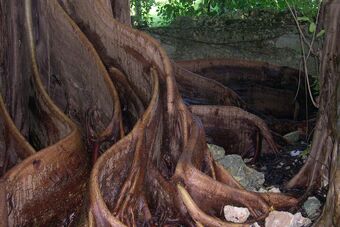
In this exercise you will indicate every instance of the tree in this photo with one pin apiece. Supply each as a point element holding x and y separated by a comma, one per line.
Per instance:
<point>326,147</point>
<point>74,82</point>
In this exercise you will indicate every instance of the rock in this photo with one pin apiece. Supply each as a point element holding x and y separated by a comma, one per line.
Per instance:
<point>247,177</point>
<point>255,224</point>
<point>275,190</point>
<point>286,219</point>
<point>294,153</point>
<point>216,151</point>
<point>270,189</point>
<point>247,160</point>
<point>301,221</point>
<point>279,219</point>
<point>262,190</point>
<point>288,41</point>
<point>312,207</point>
<point>292,137</point>
<point>236,214</point>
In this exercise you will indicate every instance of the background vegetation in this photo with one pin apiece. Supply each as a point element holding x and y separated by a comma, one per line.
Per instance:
<point>151,13</point>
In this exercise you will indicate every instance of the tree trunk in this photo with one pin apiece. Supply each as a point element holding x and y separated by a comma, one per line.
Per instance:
<point>329,113</point>
<point>121,11</point>
<point>325,137</point>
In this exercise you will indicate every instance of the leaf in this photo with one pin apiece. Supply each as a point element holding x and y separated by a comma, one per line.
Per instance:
<point>303,19</point>
<point>321,33</point>
<point>312,27</point>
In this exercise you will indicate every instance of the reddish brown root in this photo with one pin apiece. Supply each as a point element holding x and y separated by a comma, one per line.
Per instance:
<point>158,170</point>
<point>226,124</point>
<point>199,90</point>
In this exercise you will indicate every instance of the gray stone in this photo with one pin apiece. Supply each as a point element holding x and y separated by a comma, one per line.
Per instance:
<point>292,137</point>
<point>290,41</point>
<point>236,214</point>
<point>286,219</point>
<point>312,207</point>
<point>216,151</point>
<point>247,177</point>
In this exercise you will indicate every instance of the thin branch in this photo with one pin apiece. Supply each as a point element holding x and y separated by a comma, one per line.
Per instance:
<point>303,40</point>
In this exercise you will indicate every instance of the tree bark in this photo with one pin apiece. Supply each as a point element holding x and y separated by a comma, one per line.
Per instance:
<point>121,11</point>
<point>329,113</point>
<point>325,135</point>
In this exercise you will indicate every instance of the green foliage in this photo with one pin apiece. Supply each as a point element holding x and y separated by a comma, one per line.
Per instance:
<point>140,10</point>
<point>169,10</point>
<point>305,153</point>
<point>173,8</point>
<point>312,26</point>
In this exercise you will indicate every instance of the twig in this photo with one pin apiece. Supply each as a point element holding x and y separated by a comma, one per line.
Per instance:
<point>302,41</point>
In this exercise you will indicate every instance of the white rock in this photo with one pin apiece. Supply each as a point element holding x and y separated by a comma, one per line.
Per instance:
<point>294,153</point>
<point>255,224</point>
<point>279,219</point>
<point>301,221</point>
<point>236,214</point>
<point>262,190</point>
<point>270,189</point>
<point>285,219</point>
<point>273,189</point>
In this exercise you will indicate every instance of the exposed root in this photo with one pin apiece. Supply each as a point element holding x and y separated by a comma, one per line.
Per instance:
<point>198,215</point>
<point>226,125</point>
<point>199,90</point>
<point>157,169</point>
<point>267,90</point>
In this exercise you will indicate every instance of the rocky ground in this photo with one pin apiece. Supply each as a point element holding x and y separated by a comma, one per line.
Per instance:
<point>270,173</point>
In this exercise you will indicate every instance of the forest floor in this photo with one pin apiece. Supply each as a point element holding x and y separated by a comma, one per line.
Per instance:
<point>279,168</point>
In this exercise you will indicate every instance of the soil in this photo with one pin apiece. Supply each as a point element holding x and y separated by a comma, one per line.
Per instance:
<point>281,167</point>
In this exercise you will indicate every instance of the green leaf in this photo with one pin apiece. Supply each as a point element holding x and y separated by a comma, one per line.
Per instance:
<point>303,19</point>
<point>321,33</point>
<point>312,27</point>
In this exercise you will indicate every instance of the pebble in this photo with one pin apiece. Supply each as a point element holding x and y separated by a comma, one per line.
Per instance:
<point>294,153</point>
<point>286,219</point>
<point>236,214</point>
<point>273,189</point>
<point>262,190</point>
<point>312,207</point>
